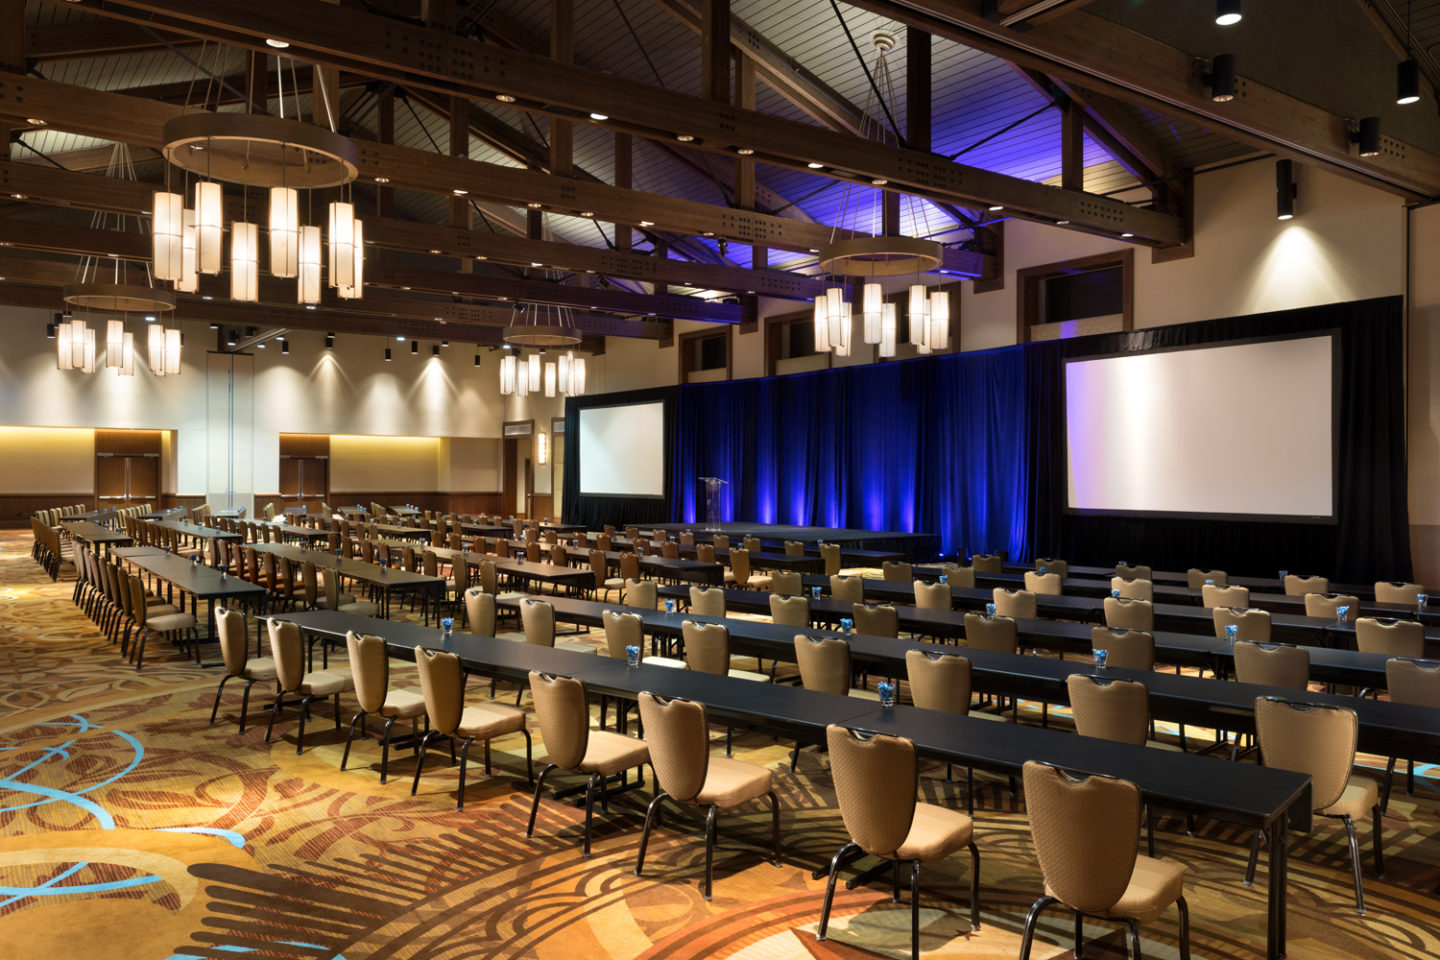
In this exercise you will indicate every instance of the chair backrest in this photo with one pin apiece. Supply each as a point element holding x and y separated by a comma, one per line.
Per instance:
<point>1046,583</point>
<point>332,589</point>
<point>1133,589</point>
<point>1298,586</point>
<point>987,563</point>
<point>790,583</point>
<point>441,683</point>
<point>707,601</point>
<point>720,541</point>
<point>564,718</point>
<point>707,647</point>
<point>532,551</point>
<point>740,566</point>
<point>230,624</point>
<point>958,576</point>
<point>938,681</point>
<point>1387,591</point>
<point>790,611</point>
<point>1214,595</point>
<point>752,544</point>
<point>847,589</point>
<point>1415,682</point>
<point>875,778</point>
<point>370,668</point>
<point>898,571</point>
<point>1109,709</point>
<point>286,650</point>
<point>641,594</point>
<point>623,630</point>
<point>1328,605</point>
<point>538,618</point>
<point>932,596</point>
<point>677,733</point>
<point>1308,738</point>
<point>999,633</point>
<point>1250,624</point>
<point>876,620</point>
<point>480,611</point>
<point>437,537</point>
<point>1014,603</point>
<point>1086,832</point>
<point>602,543</point>
<point>136,608</point>
<point>794,548</point>
<point>830,555</point>
<point>705,553</point>
<point>1061,568</point>
<point>670,550</point>
<point>559,556</point>
<point>1138,571</point>
<point>489,577</point>
<point>632,532</point>
<point>1272,665</point>
<point>598,568</point>
<point>1195,578</point>
<point>629,566</point>
<point>1127,649</point>
<point>1131,614</point>
<point>687,538</point>
<point>824,663</point>
<point>1395,638</point>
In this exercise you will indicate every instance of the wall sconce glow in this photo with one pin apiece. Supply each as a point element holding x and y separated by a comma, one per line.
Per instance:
<point>542,448</point>
<point>245,262</point>
<point>167,227</point>
<point>209,227</point>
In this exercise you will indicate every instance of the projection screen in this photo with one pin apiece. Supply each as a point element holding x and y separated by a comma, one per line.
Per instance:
<point>1239,429</point>
<point>622,450</point>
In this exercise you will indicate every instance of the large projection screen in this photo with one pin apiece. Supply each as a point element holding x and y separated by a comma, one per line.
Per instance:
<point>1235,430</point>
<point>622,450</point>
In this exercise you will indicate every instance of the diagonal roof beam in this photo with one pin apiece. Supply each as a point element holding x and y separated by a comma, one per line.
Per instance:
<point>79,41</point>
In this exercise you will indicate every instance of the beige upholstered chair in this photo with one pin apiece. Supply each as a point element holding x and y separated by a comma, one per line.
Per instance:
<point>1320,741</point>
<point>234,649</point>
<point>1394,638</point>
<point>1396,591</point>
<point>669,549</point>
<point>1128,649</point>
<point>789,583</point>
<point>677,733</point>
<point>1195,578</point>
<point>824,664</point>
<point>830,555</point>
<point>707,650</point>
<point>442,683</point>
<point>285,649</point>
<point>1060,568</point>
<point>480,612</point>
<point>932,596</point>
<point>987,563</point>
<point>538,619</point>
<point>753,544</point>
<point>166,624</point>
<point>740,574</point>
<point>958,576</point>
<point>558,555</point>
<point>707,601</point>
<point>622,630</point>
<point>720,541</point>
<point>1414,682</point>
<point>1328,605</point>
<point>876,620</point>
<point>603,582</point>
<point>564,718</point>
<point>370,668</point>
<point>532,551</point>
<point>1112,709</point>
<point>898,571</point>
<point>641,594</point>
<point>1137,571</point>
<point>876,778</point>
<point>790,611</point>
<point>1133,589</point>
<point>1130,614</point>
<point>998,633</point>
<point>1014,603</point>
<point>334,600</point>
<point>1297,586</point>
<point>705,553</point>
<point>794,548</point>
<point>1250,624</point>
<point>1213,595</point>
<point>942,682</point>
<point>1087,838</point>
<point>847,589</point>
<point>1272,665</point>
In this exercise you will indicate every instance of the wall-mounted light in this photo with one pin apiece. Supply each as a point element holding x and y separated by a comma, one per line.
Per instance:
<point>414,348</point>
<point>1285,189</point>
<point>1366,135</point>
<point>285,347</point>
<point>50,335</point>
<point>477,359</point>
<point>1221,78</point>
<point>1227,12</point>
<point>1407,81</point>
<point>387,354</point>
<point>329,341</point>
<point>434,349</point>
<point>542,448</point>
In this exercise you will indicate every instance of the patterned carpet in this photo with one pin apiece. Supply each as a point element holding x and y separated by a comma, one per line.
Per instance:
<point>131,828</point>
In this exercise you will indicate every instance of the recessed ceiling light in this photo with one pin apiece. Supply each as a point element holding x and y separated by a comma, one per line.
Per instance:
<point>458,192</point>
<point>879,181</point>
<point>150,318</point>
<point>599,116</point>
<point>382,179</point>
<point>709,233</point>
<point>277,44</point>
<point>1062,223</point>
<point>745,151</point>
<point>815,166</point>
<point>309,306</point>
<point>536,263</point>
<point>814,250</point>
<point>995,207</point>
<point>18,196</point>
<point>1127,234</point>
<point>587,213</point>
<point>534,204</point>
<point>399,338</point>
<point>685,137</point>
<point>434,249</point>
<point>206,296</point>
<point>504,98</point>
<point>404,288</point>
<point>647,223</point>
<point>481,256</point>
<point>36,122</point>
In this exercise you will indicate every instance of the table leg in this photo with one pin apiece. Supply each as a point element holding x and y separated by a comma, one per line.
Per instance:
<point>1279,869</point>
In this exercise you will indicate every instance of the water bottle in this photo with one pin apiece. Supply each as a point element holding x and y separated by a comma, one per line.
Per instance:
<point>1115,594</point>
<point>1101,656</point>
<point>886,689</point>
<point>1232,631</point>
<point>632,655</point>
<point>1420,601</point>
<point>847,626</point>
<point>447,627</point>
<point>944,578</point>
<point>989,609</point>
<point>669,606</point>
<point>1341,612</point>
<point>815,594</point>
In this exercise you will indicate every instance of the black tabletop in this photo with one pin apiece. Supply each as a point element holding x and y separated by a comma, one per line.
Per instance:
<point>195,530</point>
<point>196,579</point>
<point>94,533</point>
<point>394,578</point>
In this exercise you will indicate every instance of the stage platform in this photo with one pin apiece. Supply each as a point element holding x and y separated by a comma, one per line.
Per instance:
<point>914,546</point>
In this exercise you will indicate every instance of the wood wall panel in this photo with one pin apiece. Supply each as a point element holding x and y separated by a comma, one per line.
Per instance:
<point>128,443</point>
<point>304,445</point>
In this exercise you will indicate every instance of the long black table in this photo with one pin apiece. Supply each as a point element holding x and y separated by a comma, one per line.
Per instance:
<point>384,580</point>
<point>669,568</point>
<point>195,580</point>
<point>96,536</point>
<point>1255,796</point>
<point>1270,584</point>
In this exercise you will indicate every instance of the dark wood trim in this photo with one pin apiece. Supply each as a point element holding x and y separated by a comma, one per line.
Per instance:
<point>1182,194</point>
<point>774,327</point>
<point>997,282</point>
<point>686,361</point>
<point>1028,280</point>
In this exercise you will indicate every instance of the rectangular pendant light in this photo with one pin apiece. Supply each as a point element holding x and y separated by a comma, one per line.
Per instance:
<point>64,351</point>
<point>307,287</point>
<point>341,235</point>
<point>577,377</point>
<point>522,382</point>
<point>284,231</point>
<point>114,342</point>
<point>940,320</point>
<point>88,365</point>
<point>550,380</point>
<point>533,372</point>
<point>172,351</point>
<point>507,375</point>
<point>889,324</point>
<point>822,324</point>
<point>563,372</point>
<point>245,262</point>
<point>872,297</point>
<point>919,307</point>
<point>157,350</point>
<point>167,225</point>
<point>355,289</point>
<point>189,279</point>
<point>127,356</point>
<point>80,336</point>
<point>209,227</point>
<point>842,330</point>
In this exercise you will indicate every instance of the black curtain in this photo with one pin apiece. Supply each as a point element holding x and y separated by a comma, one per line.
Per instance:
<point>1370,538</point>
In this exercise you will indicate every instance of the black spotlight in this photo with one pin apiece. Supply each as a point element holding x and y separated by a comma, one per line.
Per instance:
<point>1407,81</point>
<point>434,349</point>
<point>387,354</point>
<point>477,359</point>
<point>1285,190</point>
<point>1221,78</point>
<point>50,335</point>
<point>229,338</point>
<point>329,341</point>
<point>1367,136</point>
<point>285,347</point>
<point>1227,12</point>
<point>445,343</point>
<point>414,348</point>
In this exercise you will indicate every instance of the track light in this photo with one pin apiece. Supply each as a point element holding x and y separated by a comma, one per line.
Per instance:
<point>285,347</point>
<point>387,354</point>
<point>414,348</point>
<point>1221,78</point>
<point>1407,81</point>
<point>1285,189</point>
<point>434,349</point>
<point>50,333</point>
<point>1227,12</point>
<point>477,359</point>
<point>1366,135</point>
<point>329,341</point>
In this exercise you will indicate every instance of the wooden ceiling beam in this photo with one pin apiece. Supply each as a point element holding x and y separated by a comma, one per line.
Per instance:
<point>80,41</point>
<point>379,46</point>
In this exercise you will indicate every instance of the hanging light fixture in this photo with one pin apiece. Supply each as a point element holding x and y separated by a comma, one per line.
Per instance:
<point>245,262</point>
<point>550,379</point>
<point>114,342</point>
<point>167,233</point>
<point>507,374</point>
<point>533,373</point>
<point>889,326</point>
<point>307,289</point>
<point>127,356</point>
<point>189,279</point>
<point>209,226</point>
<point>284,232</point>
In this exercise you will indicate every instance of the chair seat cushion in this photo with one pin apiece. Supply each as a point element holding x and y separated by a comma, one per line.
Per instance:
<point>1154,885</point>
<point>749,675</point>
<point>982,715</point>
<point>513,636</point>
<point>1161,745</point>
<point>935,833</point>
<point>486,720</point>
<point>260,668</point>
<point>345,599</point>
<point>860,693</point>
<point>729,783</point>
<point>608,753</point>
<point>169,622</point>
<point>363,608</point>
<point>403,703</point>
<point>323,683</point>
<point>577,648</point>
<point>1360,796</point>
<point>672,662</point>
<point>153,610</point>
<point>615,583</point>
